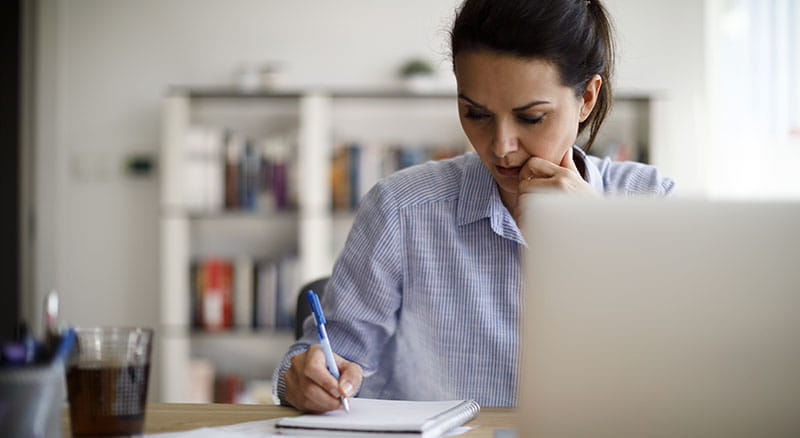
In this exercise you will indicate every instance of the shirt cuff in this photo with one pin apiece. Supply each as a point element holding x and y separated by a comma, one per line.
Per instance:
<point>278,382</point>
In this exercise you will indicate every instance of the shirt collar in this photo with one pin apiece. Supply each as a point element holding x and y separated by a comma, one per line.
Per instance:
<point>476,193</point>
<point>479,198</point>
<point>591,172</point>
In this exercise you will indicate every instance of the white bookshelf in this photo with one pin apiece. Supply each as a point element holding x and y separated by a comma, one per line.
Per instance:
<point>320,119</point>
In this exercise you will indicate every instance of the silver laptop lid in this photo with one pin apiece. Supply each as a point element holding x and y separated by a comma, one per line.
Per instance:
<point>661,318</point>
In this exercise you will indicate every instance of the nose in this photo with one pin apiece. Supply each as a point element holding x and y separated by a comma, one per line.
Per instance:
<point>505,139</point>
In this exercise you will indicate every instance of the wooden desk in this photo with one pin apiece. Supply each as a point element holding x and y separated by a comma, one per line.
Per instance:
<point>172,417</point>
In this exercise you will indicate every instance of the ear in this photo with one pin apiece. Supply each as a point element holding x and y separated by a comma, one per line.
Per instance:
<point>590,94</point>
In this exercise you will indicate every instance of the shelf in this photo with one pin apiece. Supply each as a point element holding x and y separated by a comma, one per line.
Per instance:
<point>314,122</point>
<point>183,332</point>
<point>239,333</point>
<point>244,215</point>
<point>257,236</point>
<point>374,93</point>
<point>251,354</point>
<point>228,214</point>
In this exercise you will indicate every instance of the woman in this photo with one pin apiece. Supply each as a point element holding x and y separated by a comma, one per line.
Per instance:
<point>423,302</point>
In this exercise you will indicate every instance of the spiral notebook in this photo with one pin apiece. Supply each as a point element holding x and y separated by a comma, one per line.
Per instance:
<point>384,417</point>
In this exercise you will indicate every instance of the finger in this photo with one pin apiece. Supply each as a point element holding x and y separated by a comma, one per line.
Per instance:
<point>351,377</point>
<point>292,387</point>
<point>568,162</point>
<point>542,185</point>
<point>537,167</point>
<point>317,399</point>
<point>306,395</point>
<point>317,371</point>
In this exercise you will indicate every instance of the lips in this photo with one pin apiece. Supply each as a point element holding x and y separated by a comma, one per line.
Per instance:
<point>508,171</point>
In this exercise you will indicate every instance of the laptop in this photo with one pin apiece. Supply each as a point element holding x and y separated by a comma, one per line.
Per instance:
<point>661,318</point>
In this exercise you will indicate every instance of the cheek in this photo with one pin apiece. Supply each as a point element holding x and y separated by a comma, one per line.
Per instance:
<point>476,136</point>
<point>551,141</point>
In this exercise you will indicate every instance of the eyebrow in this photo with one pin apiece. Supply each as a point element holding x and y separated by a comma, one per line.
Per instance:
<point>519,108</point>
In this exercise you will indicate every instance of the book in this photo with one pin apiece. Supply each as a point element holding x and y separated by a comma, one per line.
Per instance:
<point>243,297</point>
<point>356,167</point>
<point>201,381</point>
<point>395,418</point>
<point>216,282</point>
<point>266,295</point>
<point>204,169</point>
<point>233,154</point>
<point>286,291</point>
<point>228,388</point>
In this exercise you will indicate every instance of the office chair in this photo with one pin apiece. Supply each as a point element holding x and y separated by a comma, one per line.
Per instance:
<point>303,310</point>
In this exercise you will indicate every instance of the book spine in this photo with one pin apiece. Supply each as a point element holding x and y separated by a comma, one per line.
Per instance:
<point>194,169</point>
<point>232,159</point>
<point>279,189</point>
<point>339,180</point>
<point>243,296</point>
<point>215,170</point>
<point>370,168</point>
<point>354,170</point>
<point>195,295</point>
<point>266,305</point>
<point>249,179</point>
<point>212,295</point>
<point>286,291</point>
<point>226,286</point>
<point>216,295</point>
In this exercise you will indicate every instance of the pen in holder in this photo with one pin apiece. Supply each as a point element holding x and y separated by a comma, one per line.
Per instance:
<point>32,392</point>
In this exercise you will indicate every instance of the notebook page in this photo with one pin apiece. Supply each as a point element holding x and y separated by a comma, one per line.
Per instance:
<point>376,415</point>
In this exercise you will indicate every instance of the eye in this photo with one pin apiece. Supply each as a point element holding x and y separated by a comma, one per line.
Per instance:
<point>475,115</point>
<point>530,120</point>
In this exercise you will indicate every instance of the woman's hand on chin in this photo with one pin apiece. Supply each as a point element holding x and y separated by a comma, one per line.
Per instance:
<point>541,176</point>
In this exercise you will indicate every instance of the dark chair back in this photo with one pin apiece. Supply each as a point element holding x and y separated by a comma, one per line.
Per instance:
<point>303,310</point>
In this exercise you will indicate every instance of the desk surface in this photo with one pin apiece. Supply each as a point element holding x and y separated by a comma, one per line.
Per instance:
<point>172,417</point>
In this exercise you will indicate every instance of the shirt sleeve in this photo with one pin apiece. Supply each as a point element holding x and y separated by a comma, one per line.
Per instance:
<point>631,178</point>
<point>362,298</point>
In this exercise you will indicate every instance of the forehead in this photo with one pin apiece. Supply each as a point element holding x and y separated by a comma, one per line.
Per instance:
<point>487,76</point>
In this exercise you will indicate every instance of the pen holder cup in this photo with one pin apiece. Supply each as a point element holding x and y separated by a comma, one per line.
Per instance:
<point>32,400</point>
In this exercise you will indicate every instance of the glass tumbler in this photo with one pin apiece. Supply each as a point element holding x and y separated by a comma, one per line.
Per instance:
<point>107,378</point>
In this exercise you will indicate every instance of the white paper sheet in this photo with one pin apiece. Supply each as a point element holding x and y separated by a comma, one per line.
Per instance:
<point>252,429</point>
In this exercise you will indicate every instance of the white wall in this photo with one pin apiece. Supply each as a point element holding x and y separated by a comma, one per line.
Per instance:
<point>105,65</point>
<point>662,50</point>
<point>109,62</point>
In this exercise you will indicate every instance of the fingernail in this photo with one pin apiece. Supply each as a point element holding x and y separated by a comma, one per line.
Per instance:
<point>334,391</point>
<point>348,389</point>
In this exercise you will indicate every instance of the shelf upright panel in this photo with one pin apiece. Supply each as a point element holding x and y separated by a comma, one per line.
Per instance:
<point>314,179</point>
<point>173,342</point>
<point>173,337</point>
<point>175,124</point>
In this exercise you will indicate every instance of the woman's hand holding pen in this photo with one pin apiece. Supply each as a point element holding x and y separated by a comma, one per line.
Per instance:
<point>541,176</point>
<point>310,386</point>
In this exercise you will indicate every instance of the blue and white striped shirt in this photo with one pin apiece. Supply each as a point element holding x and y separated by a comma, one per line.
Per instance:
<point>426,294</point>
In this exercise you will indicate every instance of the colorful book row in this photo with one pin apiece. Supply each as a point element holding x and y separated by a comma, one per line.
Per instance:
<point>356,167</point>
<point>244,293</point>
<point>225,170</point>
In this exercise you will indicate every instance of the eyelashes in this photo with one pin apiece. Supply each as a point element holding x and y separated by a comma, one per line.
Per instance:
<point>475,115</point>
<point>530,120</point>
<point>472,114</point>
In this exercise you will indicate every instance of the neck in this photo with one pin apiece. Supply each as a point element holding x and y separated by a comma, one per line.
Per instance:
<point>509,199</point>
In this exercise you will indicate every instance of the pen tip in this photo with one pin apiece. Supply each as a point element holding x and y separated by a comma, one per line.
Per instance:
<point>345,404</point>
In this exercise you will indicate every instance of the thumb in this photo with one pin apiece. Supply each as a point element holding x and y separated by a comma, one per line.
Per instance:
<point>351,376</point>
<point>568,163</point>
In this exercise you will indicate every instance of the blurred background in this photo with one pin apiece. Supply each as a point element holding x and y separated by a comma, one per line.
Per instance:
<point>189,164</point>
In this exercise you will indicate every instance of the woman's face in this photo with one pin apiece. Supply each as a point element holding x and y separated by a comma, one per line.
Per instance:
<point>513,108</point>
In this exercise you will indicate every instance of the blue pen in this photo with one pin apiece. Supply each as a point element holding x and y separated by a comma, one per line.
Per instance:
<point>65,346</point>
<point>319,318</point>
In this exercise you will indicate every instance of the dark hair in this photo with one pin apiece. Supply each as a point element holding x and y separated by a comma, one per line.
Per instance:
<point>575,35</point>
